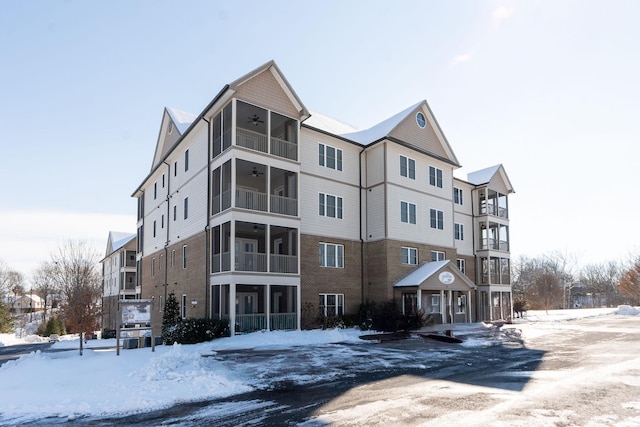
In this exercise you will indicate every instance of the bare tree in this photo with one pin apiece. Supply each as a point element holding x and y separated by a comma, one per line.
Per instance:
<point>15,282</point>
<point>4,280</point>
<point>629,286</point>
<point>44,284</point>
<point>539,282</point>
<point>76,275</point>
<point>600,280</point>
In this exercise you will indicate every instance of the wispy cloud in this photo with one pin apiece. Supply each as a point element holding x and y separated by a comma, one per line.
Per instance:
<point>465,57</point>
<point>501,13</point>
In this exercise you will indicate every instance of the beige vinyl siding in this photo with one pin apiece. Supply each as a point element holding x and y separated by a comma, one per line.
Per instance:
<point>375,226</point>
<point>466,207</point>
<point>313,223</point>
<point>464,247</point>
<point>436,236</point>
<point>264,91</point>
<point>426,139</point>
<point>309,157</point>
<point>375,165</point>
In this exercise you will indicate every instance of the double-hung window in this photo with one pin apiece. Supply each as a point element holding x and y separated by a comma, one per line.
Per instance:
<point>331,304</point>
<point>331,255</point>
<point>186,160</point>
<point>329,205</point>
<point>408,212</point>
<point>457,196</point>
<point>184,256</point>
<point>436,219</point>
<point>437,256</point>
<point>462,265</point>
<point>410,256</point>
<point>458,231</point>
<point>435,176</point>
<point>330,157</point>
<point>407,167</point>
<point>186,207</point>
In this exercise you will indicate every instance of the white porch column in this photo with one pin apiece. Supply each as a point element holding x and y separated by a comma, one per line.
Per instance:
<point>449,297</point>
<point>442,307</point>
<point>267,308</point>
<point>490,304</point>
<point>298,315</point>
<point>469,313</point>
<point>232,308</point>
<point>419,299</point>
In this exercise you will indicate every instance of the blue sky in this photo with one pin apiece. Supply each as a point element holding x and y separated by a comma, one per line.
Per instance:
<point>550,89</point>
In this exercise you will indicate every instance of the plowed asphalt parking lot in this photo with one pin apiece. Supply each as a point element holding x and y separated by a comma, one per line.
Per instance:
<point>572,373</point>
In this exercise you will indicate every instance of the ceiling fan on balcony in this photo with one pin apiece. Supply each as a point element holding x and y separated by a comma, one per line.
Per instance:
<point>255,120</point>
<point>256,173</point>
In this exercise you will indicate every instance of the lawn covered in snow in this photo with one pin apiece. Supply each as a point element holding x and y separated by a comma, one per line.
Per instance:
<point>100,383</point>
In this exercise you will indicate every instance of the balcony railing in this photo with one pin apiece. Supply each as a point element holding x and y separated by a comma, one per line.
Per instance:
<point>251,200</point>
<point>495,211</point>
<point>253,140</point>
<point>282,148</point>
<point>283,263</point>
<point>284,205</point>
<point>251,261</point>
<point>246,323</point>
<point>250,322</point>
<point>494,244</point>
<point>282,321</point>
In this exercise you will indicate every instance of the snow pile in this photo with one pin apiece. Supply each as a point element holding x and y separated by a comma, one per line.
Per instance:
<point>627,310</point>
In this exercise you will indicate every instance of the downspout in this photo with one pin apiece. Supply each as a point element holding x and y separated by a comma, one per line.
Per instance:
<point>166,242</point>
<point>206,227</point>
<point>360,217</point>
<point>475,256</point>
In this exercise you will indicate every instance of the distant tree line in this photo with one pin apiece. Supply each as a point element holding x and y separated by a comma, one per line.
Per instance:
<point>554,281</point>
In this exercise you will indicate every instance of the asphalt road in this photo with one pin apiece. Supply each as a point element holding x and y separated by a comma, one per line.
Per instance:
<point>12,352</point>
<point>584,372</point>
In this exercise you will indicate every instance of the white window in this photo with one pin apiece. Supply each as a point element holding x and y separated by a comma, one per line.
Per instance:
<point>407,167</point>
<point>162,221</point>
<point>154,228</point>
<point>437,219</point>
<point>329,205</point>
<point>461,307</point>
<point>155,190</point>
<point>410,256</point>
<point>153,266</point>
<point>437,256</point>
<point>329,157</point>
<point>186,207</point>
<point>186,160</point>
<point>175,212</point>
<point>462,265</point>
<point>184,306</point>
<point>457,196</point>
<point>435,176</point>
<point>408,212</point>
<point>184,256</point>
<point>160,306</point>
<point>162,180</point>
<point>331,255</point>
<point>435,301</point>
<point>331,304</point>
<point>173,258</point>
<point>175,168</point>
<point>458,231</point>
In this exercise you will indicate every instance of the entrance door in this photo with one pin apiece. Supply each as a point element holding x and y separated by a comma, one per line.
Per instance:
<point>246,303</point>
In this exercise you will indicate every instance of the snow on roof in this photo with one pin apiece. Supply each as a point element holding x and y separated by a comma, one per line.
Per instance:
<point>422,273</point>
<point>181,119</point>
<point>382,129</point>
<point>118,239</point>
<point>328,124</point>
<point>482,176</point>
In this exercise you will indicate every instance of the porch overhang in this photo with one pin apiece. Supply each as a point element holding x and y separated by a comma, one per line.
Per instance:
<point>437,276</point>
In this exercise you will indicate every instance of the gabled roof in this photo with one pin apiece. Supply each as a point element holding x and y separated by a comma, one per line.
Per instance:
<point>432,140</point>
<point>118,239</point>
<point>427,276</point>
<point>485,176</point>
<point>181,119</point>
<point>382,129</point>
<point>328,124</point>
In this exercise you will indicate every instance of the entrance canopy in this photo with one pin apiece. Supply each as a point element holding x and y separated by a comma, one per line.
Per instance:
<point>437,276</point>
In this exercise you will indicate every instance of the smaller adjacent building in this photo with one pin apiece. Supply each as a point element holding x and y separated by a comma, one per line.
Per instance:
<point>118,275</point>
<point>26,304</point>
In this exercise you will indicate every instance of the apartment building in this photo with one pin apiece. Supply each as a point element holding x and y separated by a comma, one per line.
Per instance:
<point>118,275</point>
<point>256,209</point>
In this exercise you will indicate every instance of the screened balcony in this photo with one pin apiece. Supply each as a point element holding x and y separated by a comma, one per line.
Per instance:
<point>251,188</point>
<point>266,131</point>
<point>254,250</point>
<point>495,271</point>
<point>493,236</point>
<point>493,203</point>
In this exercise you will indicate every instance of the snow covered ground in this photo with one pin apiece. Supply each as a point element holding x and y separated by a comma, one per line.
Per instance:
<point>99,383</point>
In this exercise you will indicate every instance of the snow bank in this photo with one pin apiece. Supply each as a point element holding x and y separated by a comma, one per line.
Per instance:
<point>627,310</point>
